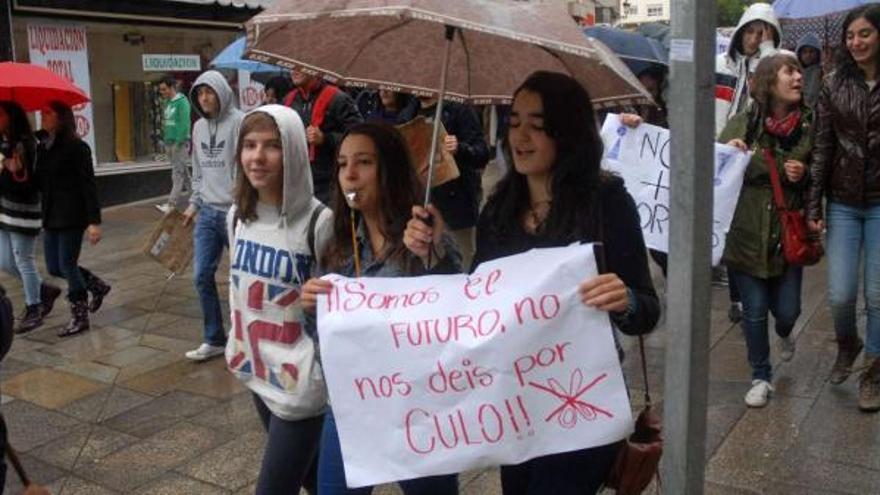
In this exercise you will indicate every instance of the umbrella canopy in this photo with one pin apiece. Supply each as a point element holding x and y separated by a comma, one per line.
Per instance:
<point>637,51</point>
<point>33,86</point>
<point>802,9</point>
<point>400,45</point>
<point>231,57</point>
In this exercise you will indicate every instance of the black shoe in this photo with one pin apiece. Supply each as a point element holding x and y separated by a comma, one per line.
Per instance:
<point>79,322</point>
<point>33,318</point>
<point>48,295</point>
<point>97,288</point>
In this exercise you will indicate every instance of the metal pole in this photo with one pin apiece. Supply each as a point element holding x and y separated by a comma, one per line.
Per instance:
<point>450,33</point>
<point>690,245</point>
<point>7,47</point>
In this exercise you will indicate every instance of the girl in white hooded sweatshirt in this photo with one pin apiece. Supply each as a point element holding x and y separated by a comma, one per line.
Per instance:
<point>275,226</point>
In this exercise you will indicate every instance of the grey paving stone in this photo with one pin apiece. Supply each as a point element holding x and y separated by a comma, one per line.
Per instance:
<point>159,414</point>
<point>12,367</point>
<point>745,458</point>
<point>824,476</point>
<point>146,460</point>
<point>86,444</point>
<point>176,484</point>
<point>31,426</point>
<point>232,465</point>
<point>237,414</point>
<point>75,486</point>
<point>40,472</point>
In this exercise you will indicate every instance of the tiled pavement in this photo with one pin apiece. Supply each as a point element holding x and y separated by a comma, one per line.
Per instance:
<point>119,410</point>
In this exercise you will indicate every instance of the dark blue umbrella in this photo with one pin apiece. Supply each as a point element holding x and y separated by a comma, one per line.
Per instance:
<point>638,52</point>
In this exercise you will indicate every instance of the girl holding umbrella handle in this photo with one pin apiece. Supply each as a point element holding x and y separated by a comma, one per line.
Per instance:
<point>70,208</point>
<point>554,195</point>
<point>376,187</point>
<point>20,220</point>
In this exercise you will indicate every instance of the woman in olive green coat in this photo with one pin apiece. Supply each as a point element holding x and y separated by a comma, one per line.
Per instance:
<point>777,120</point>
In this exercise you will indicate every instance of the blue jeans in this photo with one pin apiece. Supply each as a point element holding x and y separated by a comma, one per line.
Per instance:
<point>331,474</point>
<point>781,296</point>
<point>853,233</point>
<point>209,238</point>
<point>290,459</point>
<point>61,248</point>
<point>581,472</point>
<point>18,255</point>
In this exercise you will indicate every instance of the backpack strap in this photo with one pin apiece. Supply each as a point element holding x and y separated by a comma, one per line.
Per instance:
<point>313,222</point>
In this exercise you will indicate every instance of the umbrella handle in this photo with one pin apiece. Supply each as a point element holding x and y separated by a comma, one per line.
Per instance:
<point>450,33</point>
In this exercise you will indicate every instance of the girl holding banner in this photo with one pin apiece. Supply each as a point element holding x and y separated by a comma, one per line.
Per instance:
<point>777,121</point>
<point>376,188</point>
<point>555,195</point>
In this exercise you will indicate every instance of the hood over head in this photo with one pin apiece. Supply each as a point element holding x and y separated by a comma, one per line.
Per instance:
<point>755,12</point>
<point>297,190</point>
<point>217,82</point>
<point>809,39</point>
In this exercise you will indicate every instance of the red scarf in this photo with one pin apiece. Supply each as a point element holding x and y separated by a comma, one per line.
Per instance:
<point>782,127</point>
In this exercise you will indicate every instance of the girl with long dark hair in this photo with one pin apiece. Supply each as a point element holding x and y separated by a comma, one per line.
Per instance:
<point>372,200</point>
<point>554,195</point>
<point>70,208</point>
<point>846,171</point>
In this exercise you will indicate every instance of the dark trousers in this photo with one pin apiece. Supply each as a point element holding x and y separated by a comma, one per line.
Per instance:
<point>290,459</point>
<point>581,472</point>
<point>779,296</point>
<point>331,472</point>
<point>61,248</point>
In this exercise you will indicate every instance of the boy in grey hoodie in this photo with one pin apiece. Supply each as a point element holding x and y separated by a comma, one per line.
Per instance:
<point>809,53</point>
<point>214,140</point>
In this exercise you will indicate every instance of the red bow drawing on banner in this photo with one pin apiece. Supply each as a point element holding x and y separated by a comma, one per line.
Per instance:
<point>572,406</point>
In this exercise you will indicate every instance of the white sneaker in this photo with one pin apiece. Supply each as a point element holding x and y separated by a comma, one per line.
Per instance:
<point>163,208</point>
<point>205,352</point>
<point>786,348</point>
<point>758,394</point>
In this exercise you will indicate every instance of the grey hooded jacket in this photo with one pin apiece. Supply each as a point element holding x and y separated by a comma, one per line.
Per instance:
<point>813,73</point>
<point>214,140</point>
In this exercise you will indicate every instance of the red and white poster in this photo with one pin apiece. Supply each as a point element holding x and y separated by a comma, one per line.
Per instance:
<point>447,373</point>
<point>62,48</point>
<point>250,92</point>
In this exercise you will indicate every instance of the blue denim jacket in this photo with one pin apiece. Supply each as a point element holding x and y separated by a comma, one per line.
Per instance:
<point>372,267</point>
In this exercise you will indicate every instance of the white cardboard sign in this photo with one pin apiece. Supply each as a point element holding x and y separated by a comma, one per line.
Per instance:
<point>250,91</point>
<point>442,374</point>
<point>641,157</point>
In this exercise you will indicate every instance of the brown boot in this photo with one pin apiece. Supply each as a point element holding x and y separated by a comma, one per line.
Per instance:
<point>848,350</point>
<point>869,387</point>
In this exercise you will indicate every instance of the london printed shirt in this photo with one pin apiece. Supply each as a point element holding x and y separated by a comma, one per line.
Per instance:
<point>268,349</point>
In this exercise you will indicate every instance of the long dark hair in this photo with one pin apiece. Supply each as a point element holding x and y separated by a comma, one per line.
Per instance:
<point>400,190</point>
<point>19,127</point>
<point>575,177</point>
<point>845,63</point>
<point>66,130</point>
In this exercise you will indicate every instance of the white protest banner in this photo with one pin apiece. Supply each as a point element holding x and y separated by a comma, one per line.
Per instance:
<point>62,48</point>
<point>641,157</point>
<point>250,92</point>
<point>442,374</point>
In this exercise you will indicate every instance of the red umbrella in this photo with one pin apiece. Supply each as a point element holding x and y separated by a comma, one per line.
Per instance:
<point>33,86</point>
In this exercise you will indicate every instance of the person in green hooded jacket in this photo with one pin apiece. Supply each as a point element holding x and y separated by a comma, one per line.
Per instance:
<point>176,130</point>
<point>777,120</point>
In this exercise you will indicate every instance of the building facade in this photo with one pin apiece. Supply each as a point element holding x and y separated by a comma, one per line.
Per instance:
<point>643,11</point>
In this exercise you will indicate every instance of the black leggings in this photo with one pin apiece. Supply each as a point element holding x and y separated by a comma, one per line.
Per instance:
<point>290,458</point>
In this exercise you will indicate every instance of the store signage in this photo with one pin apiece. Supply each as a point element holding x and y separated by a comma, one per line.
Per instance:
<point>62,48</point>
<point>163,62</point>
